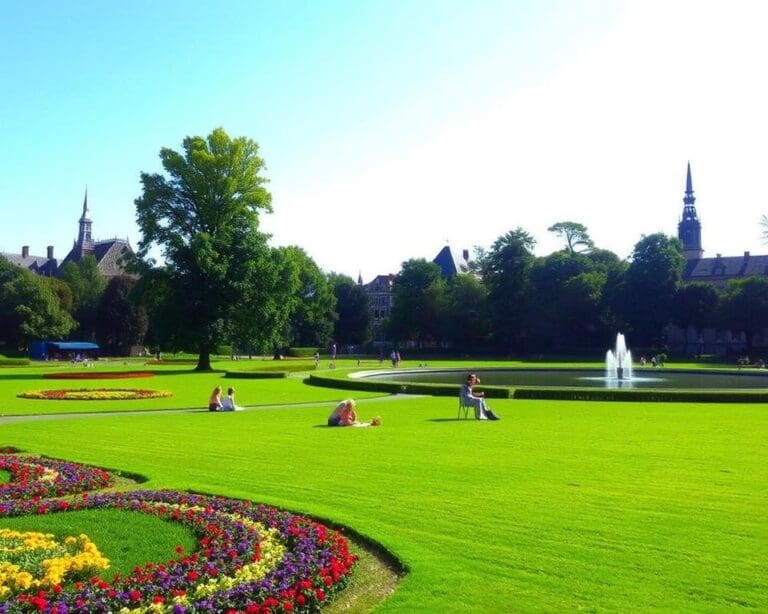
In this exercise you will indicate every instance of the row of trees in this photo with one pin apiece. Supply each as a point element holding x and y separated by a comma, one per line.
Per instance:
<point>571,300</point>
<point>80,303</point>
<point>221,283</point>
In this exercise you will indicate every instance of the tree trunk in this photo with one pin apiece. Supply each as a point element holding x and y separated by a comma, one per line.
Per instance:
<point>204,359</point>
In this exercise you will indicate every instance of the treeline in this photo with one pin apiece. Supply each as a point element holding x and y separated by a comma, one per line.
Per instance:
<point>222,285</point>
<point>573,300</point>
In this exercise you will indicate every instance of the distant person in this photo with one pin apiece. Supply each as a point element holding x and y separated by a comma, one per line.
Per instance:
<point>333,356</point>
<point>228,404</point>
<point>317,359</point>
<point>476,399</point>
<point>397,359</point>
<point>214,403</point>
<point>393,358</point>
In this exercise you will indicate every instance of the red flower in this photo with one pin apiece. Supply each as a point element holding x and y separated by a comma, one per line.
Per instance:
<point>134,595</point>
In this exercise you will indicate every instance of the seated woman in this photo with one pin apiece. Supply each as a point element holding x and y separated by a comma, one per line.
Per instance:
<point>344,414</point>
<point>476,399</point>
<point>214,403</point>
<point>228,404</point>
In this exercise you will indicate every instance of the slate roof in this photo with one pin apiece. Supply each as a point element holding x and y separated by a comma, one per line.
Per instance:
<point>106,253</point>
<point>450,263</point>
<point>720,269</point>
<point>37,264</point>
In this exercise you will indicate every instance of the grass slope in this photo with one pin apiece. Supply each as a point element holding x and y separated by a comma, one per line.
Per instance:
<point>561,505</point>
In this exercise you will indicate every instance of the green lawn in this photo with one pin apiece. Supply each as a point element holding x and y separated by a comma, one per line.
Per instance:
<point>559,506</point>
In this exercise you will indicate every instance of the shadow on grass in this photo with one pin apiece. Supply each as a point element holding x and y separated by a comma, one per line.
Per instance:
<point>453,420</point>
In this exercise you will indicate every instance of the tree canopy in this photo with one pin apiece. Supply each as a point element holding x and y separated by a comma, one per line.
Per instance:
<point>576,237</point>
<point>222,277</point>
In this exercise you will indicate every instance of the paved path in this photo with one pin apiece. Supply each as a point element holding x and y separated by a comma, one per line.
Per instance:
<point>105,414</point>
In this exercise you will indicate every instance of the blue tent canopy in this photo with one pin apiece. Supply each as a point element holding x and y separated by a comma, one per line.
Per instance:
<point>74,346</point>
<point>40,350</point>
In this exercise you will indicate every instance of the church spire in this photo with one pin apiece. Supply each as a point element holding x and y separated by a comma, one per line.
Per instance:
<point>689,197</point>
<point>84,239</point>
<point>85,205</point>
<point>689,227</point>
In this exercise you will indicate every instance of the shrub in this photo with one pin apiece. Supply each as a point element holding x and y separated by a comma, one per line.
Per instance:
<point>302,352</point>
<point>655,396</point>
<point>255,374</point>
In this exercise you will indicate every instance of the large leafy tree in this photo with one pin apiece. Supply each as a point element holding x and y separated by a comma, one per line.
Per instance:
<point>650,284</point>
<point>353,324</point>
<point>465,321</point>
<point>745,306</point>
<point>29,308</point>
<point>87,285</point>
<point>222,277</point>
<point>121,321</point>
<point>418,294</point>
<point>506,272</point>
<point>313,312</point>
<point>695,305</point>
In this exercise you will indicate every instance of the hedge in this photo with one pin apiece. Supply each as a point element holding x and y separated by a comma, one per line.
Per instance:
<point>654,396</point>
<point>554,394</point>
<point>255,374</point>
<point>14,362</point>
<point>302,352</point>
<point>444,390</point>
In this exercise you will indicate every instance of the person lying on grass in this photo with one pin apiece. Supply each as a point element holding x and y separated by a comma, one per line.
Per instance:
<point>345,415</point>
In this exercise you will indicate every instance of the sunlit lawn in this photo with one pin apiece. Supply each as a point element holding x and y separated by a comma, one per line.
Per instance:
<point>559,506</point>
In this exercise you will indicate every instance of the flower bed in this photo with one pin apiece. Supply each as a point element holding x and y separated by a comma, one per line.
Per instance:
<point>95,394</point>
<point>32,560</point>
<point>34,477</point>
<point>98,375</point>
<point>251,558</point>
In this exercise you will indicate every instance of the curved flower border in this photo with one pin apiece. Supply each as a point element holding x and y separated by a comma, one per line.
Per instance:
<point>35,477</point>
<point>95,394</point>
<point>98,375</point>
<point>251,558</point>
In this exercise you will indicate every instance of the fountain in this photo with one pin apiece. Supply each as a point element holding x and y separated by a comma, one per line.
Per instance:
<point>618,364</point>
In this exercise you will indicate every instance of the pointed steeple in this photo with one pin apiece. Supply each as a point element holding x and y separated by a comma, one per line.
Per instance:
<point>689,227</point>
<point>84,240</point>
<point>85,205</point>
<point>360,278</point>
<point>689,198</point>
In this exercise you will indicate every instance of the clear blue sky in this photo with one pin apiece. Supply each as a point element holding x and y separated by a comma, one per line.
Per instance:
<point>390,128</point>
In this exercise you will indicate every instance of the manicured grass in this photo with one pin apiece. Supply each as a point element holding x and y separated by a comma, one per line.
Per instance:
<point>122,537</point>
<point>190,389</point>
<point>559,506</point>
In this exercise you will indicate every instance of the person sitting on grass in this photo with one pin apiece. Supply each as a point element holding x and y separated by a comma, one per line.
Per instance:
<point>214,403</point>
<point>345,415</point>
<point>228,404</point>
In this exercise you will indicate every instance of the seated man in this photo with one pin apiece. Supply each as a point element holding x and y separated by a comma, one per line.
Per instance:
<point>476,399</point>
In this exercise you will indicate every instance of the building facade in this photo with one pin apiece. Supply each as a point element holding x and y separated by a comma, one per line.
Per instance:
<point>718,271</point>
<point>108,253</point>
<point>379,289</point>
